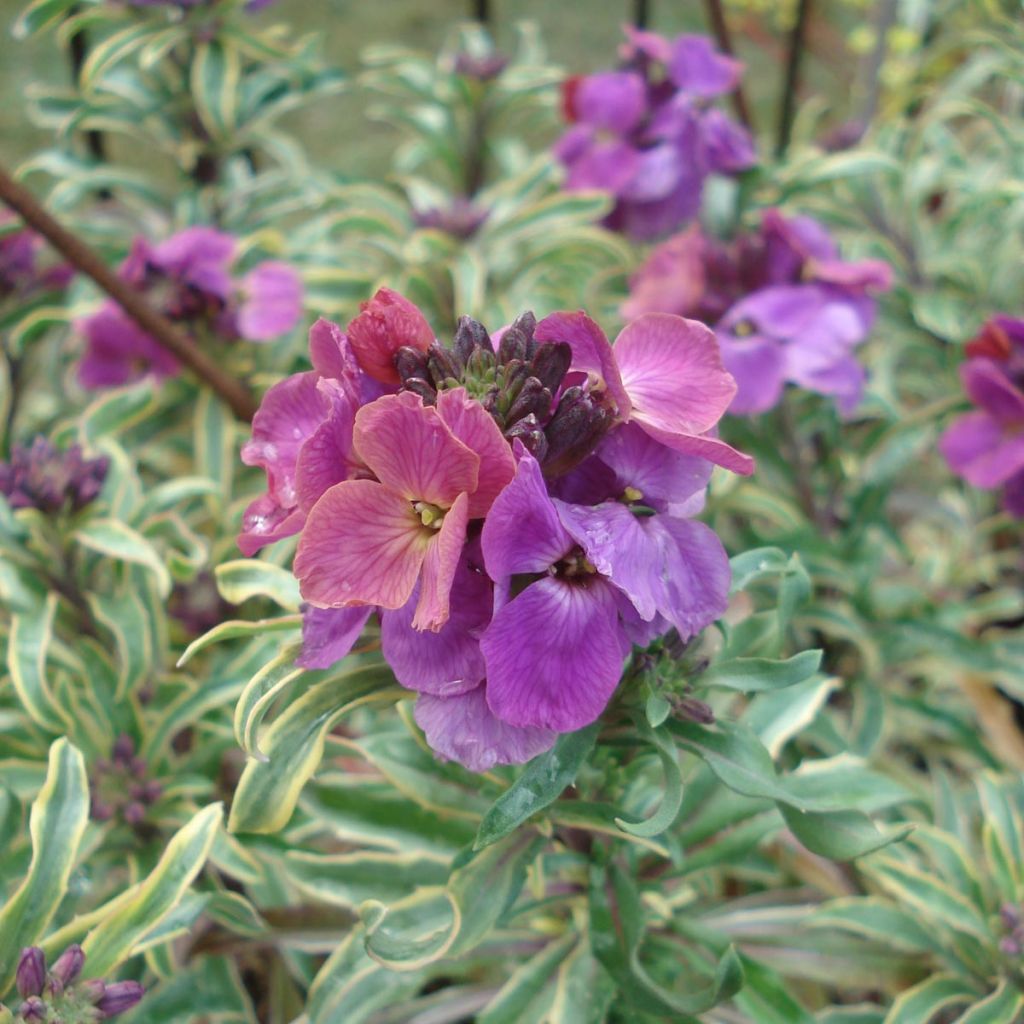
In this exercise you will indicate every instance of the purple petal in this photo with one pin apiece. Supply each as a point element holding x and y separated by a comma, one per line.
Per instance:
<point>660,171</point>
<point>698,68</point>
<point>448,661</point>
<point>118,351</point>
<point>989,388</point>
<point>1013,495</point>
<point>613,101</point>
<point>758,366</point>
<point>522,533</point>
<point>976,448</point>
<point>273,301</point>
<point>326,457</point>
<point>198,256</point>
<point>605,164</point>
<point>463,728</point>
<point>328,634</point>
<point>266,521</point>
<point>554,655</point>
<point>728,146</point>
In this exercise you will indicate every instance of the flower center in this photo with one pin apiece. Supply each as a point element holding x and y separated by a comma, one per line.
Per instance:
<point>430,515</point>
<point>744,329</point>
<point>575,566</point>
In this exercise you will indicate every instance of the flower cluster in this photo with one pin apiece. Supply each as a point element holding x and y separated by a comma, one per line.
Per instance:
<point>784,305</point>
<point>986,446</point>
<point>648,134</point>
<point>189,278</point>
<point>23,272</point>
<point>515,508</point>
<point>118,787</point>
<point>44,477</point>
<point>56,996</point>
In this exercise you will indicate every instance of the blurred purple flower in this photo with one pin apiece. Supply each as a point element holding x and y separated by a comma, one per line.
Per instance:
<point>647,134</point>
<point>44,477</point>
<point>22,272</point>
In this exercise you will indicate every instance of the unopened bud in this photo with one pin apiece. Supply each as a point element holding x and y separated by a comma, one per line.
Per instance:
<point>124,748</point>
<point>410,362</point>
<point>577,426</point>
<point>32,1010</point>
<point>120,996</point>
<point>423,388</point>
<point>68,965</point>
<point>134,813</point>
<point>90,991</point>
<point>695,710</point>
<point>551,363</point>
<point>533,399</point>
<point>517,342</point>
<point>31,973</point>
<point>469,336</point>
<point>442,365</point>
<point>531,433</point>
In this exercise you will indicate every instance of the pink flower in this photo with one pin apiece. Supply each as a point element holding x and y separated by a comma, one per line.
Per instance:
<point>370,542</point>
<point>664,373</point>
<point>388,322</point>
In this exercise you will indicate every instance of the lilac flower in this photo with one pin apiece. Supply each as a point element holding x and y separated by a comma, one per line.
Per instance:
<point>22,273</point>
<point>646,132</point>
<point>190,278</point>
<point>44,477</point>
<point>785,306</point>
<point>986,447</point>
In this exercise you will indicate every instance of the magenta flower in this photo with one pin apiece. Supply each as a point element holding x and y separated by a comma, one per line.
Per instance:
<point>370,542</point>
<point>986,447</point>
<point>22,271</point>
<point>386,323</point>
<point>190,278</point>
<point>647,134</point>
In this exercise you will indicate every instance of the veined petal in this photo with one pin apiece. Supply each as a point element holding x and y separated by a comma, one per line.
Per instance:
<point>554,655</point>
<point>265,521</point>
<point>463,728</point>
<point>439,565</point>
<point>387,322</point>
<point>328,634</point>
<point>362,544</point>
<point>522,532</point>
<point>591,351</point>
<point>475,428</point>
<point>673,372</point>
<point>412,451</point>
<point>704,447</point>
<point>326,457</point>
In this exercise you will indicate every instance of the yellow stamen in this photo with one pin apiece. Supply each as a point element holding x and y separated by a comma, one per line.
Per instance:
<point>632,494</point>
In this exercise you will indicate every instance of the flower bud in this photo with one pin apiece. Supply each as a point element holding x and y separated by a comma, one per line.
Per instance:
<point>90,991</point>
<point>423,388</point>
<point>32,1010</point>
<point>68,965</point>
<point>577,426</point>
<point>517,341</point>
<point>533,399</point>
<point>695,710</point>
<point>124,748</point>
<point>551,363</point>
<point>410,362</point>
<point>120,996</point>
<point>31,973</point>
<point>470,335</point>
<point>443,367</point>
<point>531,433</point>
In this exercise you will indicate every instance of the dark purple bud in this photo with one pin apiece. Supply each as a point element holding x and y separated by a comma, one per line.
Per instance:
<point>68,965</point>
<point>152,791</point>
<point>1010,915</point>
<point>138,766</point>
<point>517,342</point>
<point>423,388</point>
<point>444,370</point>
<point>134,813</point>
<point>481,69</point>
<point>551,363</point>
<point>531,433</point>
<point>577,426</point>
<point>124,748</point>
<point>100,811</point>
<point>120,996</point>
<point>695,710</point>
<point>33,1009</point>
<point>470,335</point>
<point>460,219</point>
<point>513,377</point>
<point>481,364</point>
<point>410,362</point>
<point>31,973</point>
<point>533,400</point>
<point>136,790</point>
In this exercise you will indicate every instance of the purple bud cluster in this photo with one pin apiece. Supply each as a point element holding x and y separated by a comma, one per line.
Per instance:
<point>461,218</point>
<point>57,996</point>
<point>118,787</point>
<point>42,476</point>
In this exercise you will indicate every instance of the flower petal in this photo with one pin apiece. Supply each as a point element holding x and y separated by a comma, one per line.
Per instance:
<point>476,429</point>
<point>463,728</point>
<point>612,101</point>
<point>328,634</point>
<point>591,351</point>
<point>198,256</point>
<point>265,521</point>
<point>412,451</point>
<point>439,565</point>
<point>976,448</point>
<point>273,301</point>
<point>362,544</point>
<point>704,446</point>
<point>758,366</point>
<point>522,533</point>
<point>695,66</point>
<point>554,655</point>
<point>989,388</point>
<point>326,457</point>
<point>387,322</point>
<point>673,373</point>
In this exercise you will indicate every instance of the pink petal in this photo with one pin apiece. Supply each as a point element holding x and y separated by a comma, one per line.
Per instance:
<point>265,521</point>
<point>387,322</point>
<point>442,559</point>
<point>362,544</point>
<point>412,451</point>
<point>704,447</point>
<point>273,301</point>
<point>673,373</point>
<point>476,429</point>
<point>591,351</point>
<point>328,634</point>
<point>326,457</point>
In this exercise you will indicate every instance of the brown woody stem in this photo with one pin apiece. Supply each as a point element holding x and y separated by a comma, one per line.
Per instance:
<point>166,334</point>
<point>721,30</point>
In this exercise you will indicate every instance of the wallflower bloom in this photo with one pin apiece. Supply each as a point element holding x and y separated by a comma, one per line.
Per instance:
<point>986,447</point>
<point>44,477</point>
<point>190,278</point>
<point>22,271</point>
<point>514,510</point>
<point>785,307</point>
<point>647,134</point>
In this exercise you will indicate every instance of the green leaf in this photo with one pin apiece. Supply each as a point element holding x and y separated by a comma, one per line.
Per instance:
<point>236,628</point>
<point>259,693</point>
<point>672,798</point>
<point>750,675</point>
<point>215,76</point>
<point>840,835</point>
<point>446,922</point>
<point>1006,1003</point>
<point>147,903</point>
<point>541,783</point>
<point>40,14</point>
<point>617,929</point>
<point>247,577</point>
<point>929,997</point>
<point>111,51</point>
<point>213,428</point>
<point>27,645</point>
<point>59,815</point>
<point>515,1000</point>
<point>115,539</point>
<point>118,410</point>
<point>125,616</point>
<point>294,745</point>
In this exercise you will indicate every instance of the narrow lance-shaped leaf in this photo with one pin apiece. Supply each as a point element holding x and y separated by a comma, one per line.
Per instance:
<point>115,539</point>
<point>56,824</point>
<point>27,644</point>
<point>672,797</point>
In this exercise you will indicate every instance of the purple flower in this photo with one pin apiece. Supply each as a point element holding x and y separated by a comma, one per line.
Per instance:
<point>986,447</point>
<point>44,477</point>
<point>190,278</point>
<point>462,218</point>
<point>647,134</point>
<point>21,272</point>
